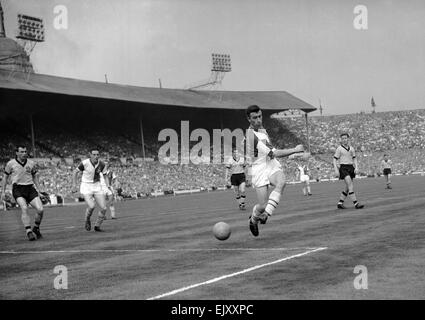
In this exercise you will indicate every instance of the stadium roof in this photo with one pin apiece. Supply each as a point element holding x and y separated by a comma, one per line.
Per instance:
<point>268,100</point>
<point>13,56</point>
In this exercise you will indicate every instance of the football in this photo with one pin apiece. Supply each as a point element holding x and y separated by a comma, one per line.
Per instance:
<point>222,231</point>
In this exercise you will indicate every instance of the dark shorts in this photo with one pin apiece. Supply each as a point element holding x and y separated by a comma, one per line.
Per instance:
<point>237,179</point>
<point>387,171</point>
<point>27,192</point>
<point>346,170</point>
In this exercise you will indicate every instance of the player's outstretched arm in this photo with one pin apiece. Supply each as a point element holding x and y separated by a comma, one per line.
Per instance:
<point>280,153</point>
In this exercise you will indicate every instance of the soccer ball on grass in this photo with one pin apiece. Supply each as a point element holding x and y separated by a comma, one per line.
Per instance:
<point>222,231</point>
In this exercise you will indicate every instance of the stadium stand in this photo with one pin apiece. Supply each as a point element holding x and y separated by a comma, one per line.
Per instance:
<point>398,133</point>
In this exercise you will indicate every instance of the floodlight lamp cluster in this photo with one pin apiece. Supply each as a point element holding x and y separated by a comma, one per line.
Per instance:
<point>221,62</point>
<point>30,28</point>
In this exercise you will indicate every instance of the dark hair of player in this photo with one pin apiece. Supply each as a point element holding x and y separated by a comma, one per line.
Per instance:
<point>20,147</point>
<point>251,109</point>
<point>344,134</point>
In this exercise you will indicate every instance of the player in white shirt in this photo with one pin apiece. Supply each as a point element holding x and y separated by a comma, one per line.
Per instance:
<point>267,175</point>
<point>91,187</point>
<point>304,178</point>
<point>236,168</point>
<point>107,180</point>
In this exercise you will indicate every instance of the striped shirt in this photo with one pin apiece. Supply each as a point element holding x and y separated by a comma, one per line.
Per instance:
<point>21,173</point>
<point>91,172</point>
<point>345,155</point>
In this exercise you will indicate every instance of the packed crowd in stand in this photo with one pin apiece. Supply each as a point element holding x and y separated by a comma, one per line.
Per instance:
<point>383,131</point>
<point>400,134</point>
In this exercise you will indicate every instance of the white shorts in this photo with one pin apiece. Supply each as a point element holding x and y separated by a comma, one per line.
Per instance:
<point>91,188</point>
<point>304,178</point>
<point>261,173</point>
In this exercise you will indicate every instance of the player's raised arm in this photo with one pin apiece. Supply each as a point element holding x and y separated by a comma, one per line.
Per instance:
<point>264,147</point>
<point>280,153</point>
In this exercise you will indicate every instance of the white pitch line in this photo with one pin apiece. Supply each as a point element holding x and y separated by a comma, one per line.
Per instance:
<point>150,250</point>
<point>234,274</point>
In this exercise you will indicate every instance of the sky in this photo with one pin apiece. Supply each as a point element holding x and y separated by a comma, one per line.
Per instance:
<point>308,48</point>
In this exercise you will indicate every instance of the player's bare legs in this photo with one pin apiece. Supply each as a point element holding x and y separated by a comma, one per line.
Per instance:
<point>307,182</point>
<point>26,219</point>
<point>91,204</point>
<point>112,206</point>
<point>388,178</point>
<point>237,194</point>
<point>38,205</point>
<point>262,197</point>
<point>349,191</point>
<point>101,202</point>
<point>342,198</point>
<point>110,200</point>
<point>279,183</point>
<point>241,195</point>
<point>267,203</point>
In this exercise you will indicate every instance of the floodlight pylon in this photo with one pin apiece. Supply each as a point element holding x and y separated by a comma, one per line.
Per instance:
<point>221,64</point>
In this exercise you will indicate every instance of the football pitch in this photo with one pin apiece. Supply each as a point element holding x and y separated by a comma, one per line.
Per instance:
<point>163,248</point>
